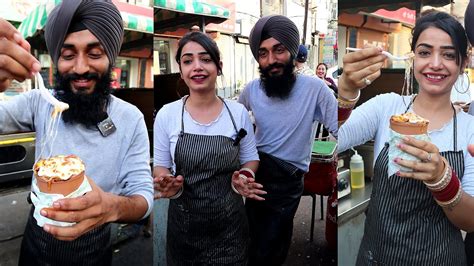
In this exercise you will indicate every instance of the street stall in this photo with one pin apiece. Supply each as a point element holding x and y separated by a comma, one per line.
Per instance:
<point>321,180</point>
<point>353,202</point>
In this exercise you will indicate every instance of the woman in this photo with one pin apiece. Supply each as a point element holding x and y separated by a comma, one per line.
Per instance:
<point>412,219</point>
<point>321,72</point>
<point>200,145</point>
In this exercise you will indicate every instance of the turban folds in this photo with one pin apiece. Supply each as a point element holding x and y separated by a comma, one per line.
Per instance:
<point>280,28</point>
<point>101,18</point>
<point>469,21</point>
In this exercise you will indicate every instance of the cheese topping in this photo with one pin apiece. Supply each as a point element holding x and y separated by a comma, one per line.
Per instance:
<point>59,167</point>
<point>409,118</point>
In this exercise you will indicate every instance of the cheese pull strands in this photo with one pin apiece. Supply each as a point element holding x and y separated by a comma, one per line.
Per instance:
<point>47,141</point>
<point>407,88</point>
<point>59,106</point>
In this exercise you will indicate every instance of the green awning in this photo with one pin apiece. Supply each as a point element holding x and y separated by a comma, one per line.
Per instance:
<point>171,15</point>
<point>193,7</point>
<point>36,20</point>
<point>137,23</point>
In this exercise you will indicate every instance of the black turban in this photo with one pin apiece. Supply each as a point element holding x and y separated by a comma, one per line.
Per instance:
<point>101,18</point>
<point>469,21</point>
<point>279,27</point>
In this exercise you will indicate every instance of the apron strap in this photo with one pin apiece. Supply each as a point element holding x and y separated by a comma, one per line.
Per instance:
<point>230,114</point>
<point>455,137</point>
<point>182,115</point>
<point>455,126</point>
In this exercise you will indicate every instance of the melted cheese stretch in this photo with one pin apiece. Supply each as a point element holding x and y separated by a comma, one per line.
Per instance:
<point>59,167</point>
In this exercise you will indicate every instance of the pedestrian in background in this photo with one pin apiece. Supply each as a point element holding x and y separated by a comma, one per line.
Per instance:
<point>300,62</point>
<point>287,108</point>
<point>321,72</point>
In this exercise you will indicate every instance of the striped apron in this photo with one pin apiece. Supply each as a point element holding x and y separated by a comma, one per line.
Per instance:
<point>404,225</point>
<point>41,248</point>
<point>207,224</point>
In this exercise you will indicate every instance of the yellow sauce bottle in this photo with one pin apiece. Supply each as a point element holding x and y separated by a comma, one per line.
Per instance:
<point>357,171</point>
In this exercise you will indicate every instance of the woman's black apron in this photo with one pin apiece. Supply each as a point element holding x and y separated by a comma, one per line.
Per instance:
<point>207,224</point>
<point>41,248</point>
<point>404,224</point>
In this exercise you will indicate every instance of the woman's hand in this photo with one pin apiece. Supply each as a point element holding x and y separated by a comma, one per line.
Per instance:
<point>167,185</point>
<point>431,167</point>
<point>247,187</point>
<point>360,68</point>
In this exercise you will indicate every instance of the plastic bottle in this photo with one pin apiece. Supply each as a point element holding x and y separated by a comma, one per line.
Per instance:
<point>357,171</point>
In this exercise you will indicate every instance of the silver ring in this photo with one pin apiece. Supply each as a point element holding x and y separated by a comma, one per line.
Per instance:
<point>428,159</point>
<point>367,81</point>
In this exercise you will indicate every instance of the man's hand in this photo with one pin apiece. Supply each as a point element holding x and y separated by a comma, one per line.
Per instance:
<point>16,62</point>
<point>247,187</point>
<point>93,209</point>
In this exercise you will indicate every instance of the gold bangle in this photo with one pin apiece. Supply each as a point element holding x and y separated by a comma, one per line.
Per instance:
<point>340,98</point>
<point>345,105</point>
<point>450,204</point>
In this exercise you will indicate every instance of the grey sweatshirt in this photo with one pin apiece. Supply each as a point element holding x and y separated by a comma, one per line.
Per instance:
<point>118,163</point>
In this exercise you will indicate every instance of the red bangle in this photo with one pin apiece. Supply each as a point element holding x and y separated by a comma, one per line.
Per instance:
<point>343,113</point>
<point>450,191</point>
<point>247,173</point>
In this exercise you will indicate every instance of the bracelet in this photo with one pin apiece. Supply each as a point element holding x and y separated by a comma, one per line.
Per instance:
<point>445,178</point>
<point>345,105</point>
<point>451,195</point>
<point>246,173</point>
<point>453,202</point>
<point>342,99</point>
<point>175,196</point>
<point>233,188</point>
<point>343,113</point>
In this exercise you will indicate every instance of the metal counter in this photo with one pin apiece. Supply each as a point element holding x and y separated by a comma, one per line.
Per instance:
<point>353,204</point>
<point>350,223</point>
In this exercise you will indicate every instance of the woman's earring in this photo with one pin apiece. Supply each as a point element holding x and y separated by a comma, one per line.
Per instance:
<point>462,82</point>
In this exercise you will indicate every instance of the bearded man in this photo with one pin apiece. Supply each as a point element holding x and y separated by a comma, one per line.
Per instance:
<point>84,39</point>
<point>286,108</point>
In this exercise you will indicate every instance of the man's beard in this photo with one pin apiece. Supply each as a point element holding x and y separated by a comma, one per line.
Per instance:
<point>85,109</point>
<point>278,86</point>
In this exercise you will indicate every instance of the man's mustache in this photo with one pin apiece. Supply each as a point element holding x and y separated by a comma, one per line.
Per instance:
<point>274,65</point>
<point>75,76</point>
